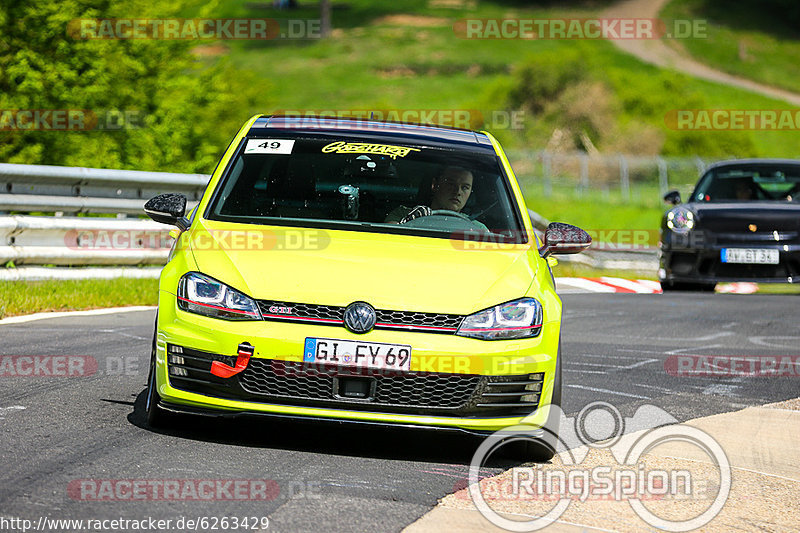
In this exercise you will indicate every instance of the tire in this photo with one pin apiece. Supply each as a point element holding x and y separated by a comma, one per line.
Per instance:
<point>686,286</point>
<point>543,449</point>
<point>156,417</point>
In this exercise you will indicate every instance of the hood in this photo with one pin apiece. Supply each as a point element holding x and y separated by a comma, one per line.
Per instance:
<point>333,267</point>
<point>735,217</point>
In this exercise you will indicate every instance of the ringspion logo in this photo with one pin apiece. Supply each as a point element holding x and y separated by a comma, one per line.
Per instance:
<point>628,478</point>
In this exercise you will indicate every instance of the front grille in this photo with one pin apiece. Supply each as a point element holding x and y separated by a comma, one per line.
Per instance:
<point>400,389</point>
<point>757,239</point>
<point>295,383</point>
<point>385,319</point>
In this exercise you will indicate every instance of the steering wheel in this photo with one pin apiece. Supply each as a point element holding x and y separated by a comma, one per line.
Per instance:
<point>448,213</point>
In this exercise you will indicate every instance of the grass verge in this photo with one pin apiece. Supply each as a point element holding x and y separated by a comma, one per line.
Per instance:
<point>757,44</point>
<point>26,297</point>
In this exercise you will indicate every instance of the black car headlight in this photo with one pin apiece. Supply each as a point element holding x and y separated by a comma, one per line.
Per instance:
<point>206,296</point>
<point>680,220</point>
<point>513,320</point>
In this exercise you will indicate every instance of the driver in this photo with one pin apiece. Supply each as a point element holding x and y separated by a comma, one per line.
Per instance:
<point>451,190</point>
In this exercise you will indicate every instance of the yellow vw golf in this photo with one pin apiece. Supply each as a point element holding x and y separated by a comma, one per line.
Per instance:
<point>361,271</point>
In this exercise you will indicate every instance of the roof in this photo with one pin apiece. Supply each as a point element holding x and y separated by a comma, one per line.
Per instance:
<point>754,161</point>
<point>405,132</point>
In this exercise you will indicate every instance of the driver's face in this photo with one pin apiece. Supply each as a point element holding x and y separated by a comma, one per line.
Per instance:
<point>452,189</point>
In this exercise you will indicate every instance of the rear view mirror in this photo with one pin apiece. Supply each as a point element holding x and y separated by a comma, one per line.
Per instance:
<point>563,238</point>
<point>673,197</point>
<point>168,209</point>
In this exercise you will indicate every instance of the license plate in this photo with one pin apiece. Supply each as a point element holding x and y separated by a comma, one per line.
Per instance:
<point>754,256</point>
<point>357,354</point>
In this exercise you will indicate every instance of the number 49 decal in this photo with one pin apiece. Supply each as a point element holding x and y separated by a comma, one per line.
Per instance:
<point>269,146</point>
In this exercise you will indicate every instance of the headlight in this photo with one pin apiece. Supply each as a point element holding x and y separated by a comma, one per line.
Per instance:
<point>680,220</point>
<point>206,296</point>
<point>513,320</point>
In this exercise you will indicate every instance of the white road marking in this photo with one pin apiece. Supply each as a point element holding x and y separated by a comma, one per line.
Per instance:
<point>118,332</point>
<point>619,356</point>
<point>677,351</point>
<point>10,408</point>
<point>621,367</point>
<point>593,389</point>
<point>761,341</point>
<point>585,371</point>
<point>60,314</point>
<point>722,389</point>
<point>660,389</point>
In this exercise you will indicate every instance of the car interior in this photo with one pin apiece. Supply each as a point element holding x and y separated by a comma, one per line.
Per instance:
<point>358,188</point>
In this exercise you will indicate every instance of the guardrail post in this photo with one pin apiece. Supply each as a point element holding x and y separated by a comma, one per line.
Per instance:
<point>624,183</point>
<point>547,184</point>
<point>663,178</point>
<point>701,166</point>
<point>583,185</point>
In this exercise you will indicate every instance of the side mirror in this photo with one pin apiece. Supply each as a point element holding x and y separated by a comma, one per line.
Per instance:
<point>672,197</point>
<point>563,238</point>
<point>168,209</point>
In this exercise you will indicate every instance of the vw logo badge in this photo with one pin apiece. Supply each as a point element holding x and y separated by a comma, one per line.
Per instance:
<point>359,317</point>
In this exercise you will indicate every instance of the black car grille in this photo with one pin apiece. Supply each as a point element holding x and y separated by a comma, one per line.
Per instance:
<point>294,383</point>
<point>755,239</point>
<point>279,378</point>
<point>385,319</point>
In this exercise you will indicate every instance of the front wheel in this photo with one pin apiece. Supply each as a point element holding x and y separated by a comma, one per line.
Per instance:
<point>543,449</point>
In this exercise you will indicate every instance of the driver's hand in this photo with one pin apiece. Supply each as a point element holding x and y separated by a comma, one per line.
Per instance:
<point>419,211</point>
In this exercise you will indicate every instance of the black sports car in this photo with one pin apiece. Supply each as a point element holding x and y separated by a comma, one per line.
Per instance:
<point>741,223</point>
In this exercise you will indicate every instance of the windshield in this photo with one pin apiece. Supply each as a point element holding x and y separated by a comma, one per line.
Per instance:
<point>780,183</point>
<point>377,184</point>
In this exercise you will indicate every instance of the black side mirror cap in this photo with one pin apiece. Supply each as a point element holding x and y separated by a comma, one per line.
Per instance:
<point>169,209</point>
<point>673,197</point>
<point>563,238</point>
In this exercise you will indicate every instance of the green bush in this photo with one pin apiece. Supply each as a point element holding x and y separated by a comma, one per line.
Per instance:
<point>185,110</point>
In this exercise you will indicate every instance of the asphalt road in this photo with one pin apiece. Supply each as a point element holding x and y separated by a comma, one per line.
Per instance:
<point>58,431</point>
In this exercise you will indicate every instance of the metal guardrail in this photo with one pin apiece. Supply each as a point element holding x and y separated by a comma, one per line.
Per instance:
<point>27,240</point>
<point>32,188</point>
<point>88,242</point>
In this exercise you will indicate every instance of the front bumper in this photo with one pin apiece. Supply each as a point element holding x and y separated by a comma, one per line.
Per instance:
<point>696,258</point>
<point>454,382</point>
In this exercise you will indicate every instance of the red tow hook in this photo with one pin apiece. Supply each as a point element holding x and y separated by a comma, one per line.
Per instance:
<point>222,370</point>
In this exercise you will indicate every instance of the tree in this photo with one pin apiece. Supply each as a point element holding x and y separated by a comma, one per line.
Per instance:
<point>184,111</point>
